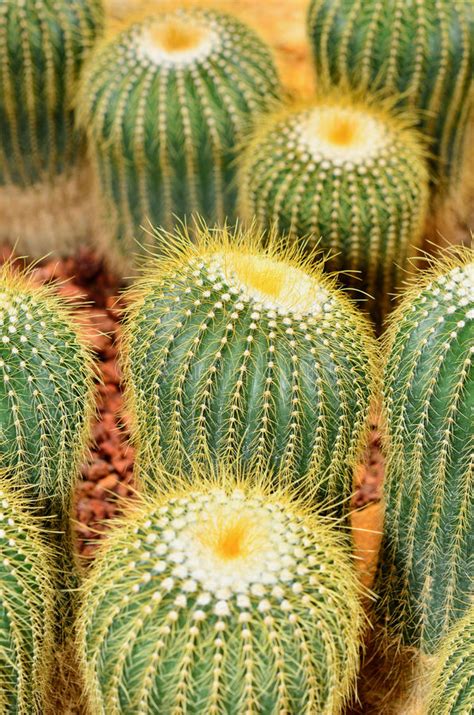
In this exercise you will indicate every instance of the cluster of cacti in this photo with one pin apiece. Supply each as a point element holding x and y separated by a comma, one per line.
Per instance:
<point>46,395</point>
<point>345,174</point>
<point>42,172</point>
<point>241,352</point>
<point>426,565</point>
<point>26,618</point>
<point>220,599</point>
<point>452,678</point>
<point>422,51</point>
<point>165,103</point>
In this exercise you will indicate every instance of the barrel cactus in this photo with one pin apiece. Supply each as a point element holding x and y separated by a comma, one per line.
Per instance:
<point>426,571</point>
<point>43,174</point>
<point>25,610</point>
<point>346,173</point>
<point>233,350</point>
<point>165,103</point>
<point>452,678</point>
<point>46,396</point>
<point>423,51</point>
<point>219,599</point>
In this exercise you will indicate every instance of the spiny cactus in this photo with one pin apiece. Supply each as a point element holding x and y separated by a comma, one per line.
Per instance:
<point>346,172</point>
<point>426,572</point>
<point>453,677</point>
<point>231,349</point>
<point>423,51</point>
<point>165,103</point>
<point>43,177</point>
<point>25,610</point>
<point>46,395</point>
<point>213,600</point>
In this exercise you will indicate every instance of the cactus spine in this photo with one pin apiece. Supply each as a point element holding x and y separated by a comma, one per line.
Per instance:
<point>166,102</point>
<point>345,172</point>
<point>423,51</point>
<point>452,678</point>
<point>426,571</point>
<point>213,600</point>
<point>231,349</point>
<point>26,599</point>
<point>42,171</point>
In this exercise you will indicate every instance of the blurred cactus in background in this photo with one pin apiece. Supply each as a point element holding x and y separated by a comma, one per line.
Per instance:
<point>165,103</point>
<point>347,172</point>
<point>425,578</point>
<point>421,50</point>
<point>43,176</point>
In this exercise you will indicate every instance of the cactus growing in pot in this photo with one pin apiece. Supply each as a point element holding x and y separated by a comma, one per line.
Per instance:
<point>234,350</point>
<point>217,597</point>
<point>426,564</point>
<point>165,102</point>
<point>44,178</point>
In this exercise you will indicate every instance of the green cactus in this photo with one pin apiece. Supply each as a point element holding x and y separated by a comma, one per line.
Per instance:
<point>43,176</point>
<point>345,172</point>
<point>426,571</point>
<point>26,598</point>
<point>218,598</point>
<point>165,103</point>
<point>231,349</point>
<point>46,396</point>
<point>423,51</point>
<point>452,679</point>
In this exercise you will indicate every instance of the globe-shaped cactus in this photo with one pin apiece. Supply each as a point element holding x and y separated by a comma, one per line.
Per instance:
<point>348,175</point>
<point>426,566</point>
<point>213,600</point>
<point>232,350</point>
<point>26,615</point>
<point>165,103</point>
<point>421,51</point>
<point>43,174</point>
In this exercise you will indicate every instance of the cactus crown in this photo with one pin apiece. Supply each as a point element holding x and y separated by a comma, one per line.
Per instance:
<point>231,349</point>
<point>205,75</point>
<point>428,401</point>
<point>26,617</point>
<point>46,391</point>
<point>304,161</point>
<point>220,598</point>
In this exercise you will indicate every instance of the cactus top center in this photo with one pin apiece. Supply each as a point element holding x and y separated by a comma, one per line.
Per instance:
<point>233,538</point>
<point>176,36</point>
<point>176,40</point>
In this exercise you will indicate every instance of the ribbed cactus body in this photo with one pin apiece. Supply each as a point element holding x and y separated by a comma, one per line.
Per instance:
<point>453,677</point>
<point>25,611</point>
<point>220,601</point>
<point>423,51</point>
<point>348,175</point>
<point>165,103</point>
<point>427,567</point>
<point>42,48</point>
<point>236,351</point>
<point>45,393</point>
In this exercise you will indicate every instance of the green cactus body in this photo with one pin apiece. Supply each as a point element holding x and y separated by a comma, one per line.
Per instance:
<point>25,611</point>
<point>427,553</point>
<point>220,601</point>
<point>46,396</point>
<point>165,103</point>
<point>423,51</point>
<point>452,678</point>
<point>348,175</point>
<point>231,349</point>
<point>42,168</point>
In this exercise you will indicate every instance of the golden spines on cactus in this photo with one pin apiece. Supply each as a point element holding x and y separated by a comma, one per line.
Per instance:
<point>234,350</point>
<point>165,102</point>
<point>349,175</point>
<point>26,609</point>
<point>44,183</point>
<point>215,597</point>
